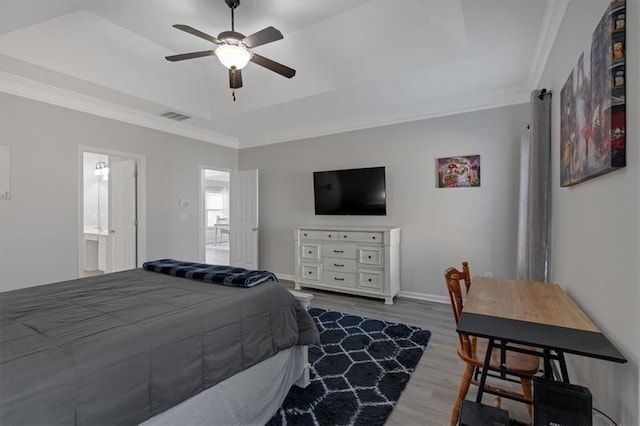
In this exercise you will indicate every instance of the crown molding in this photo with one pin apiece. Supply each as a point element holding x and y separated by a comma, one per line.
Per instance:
<point>27,88</point>
<point>433,109</point>
<point>42,92</point>
<point>553,15</point>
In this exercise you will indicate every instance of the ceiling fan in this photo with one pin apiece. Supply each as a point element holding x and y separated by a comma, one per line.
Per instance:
<point>234,49</point>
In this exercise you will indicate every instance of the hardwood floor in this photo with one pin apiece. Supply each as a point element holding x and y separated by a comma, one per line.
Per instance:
<point>429,396</point>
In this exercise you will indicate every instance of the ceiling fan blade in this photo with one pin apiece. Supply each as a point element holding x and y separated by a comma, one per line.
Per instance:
<point>273,65</point>
<point>192,55</point>
<point>197,33</point>
<point>264,36</point>
<point>235,79</point>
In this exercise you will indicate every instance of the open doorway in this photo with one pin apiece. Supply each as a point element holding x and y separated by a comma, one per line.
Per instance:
<point>95,216</point>
<point>215,196</point>
<point>109,219</point>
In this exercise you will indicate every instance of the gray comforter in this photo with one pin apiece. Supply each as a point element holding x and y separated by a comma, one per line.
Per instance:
<point>122,347</point>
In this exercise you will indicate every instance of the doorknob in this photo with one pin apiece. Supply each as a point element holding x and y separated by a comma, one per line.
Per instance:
<point>254,229</point>
<point>113,231</point>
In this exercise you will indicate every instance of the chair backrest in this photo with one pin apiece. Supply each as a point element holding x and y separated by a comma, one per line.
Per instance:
<point>466,275</point>
<point>452,277</point>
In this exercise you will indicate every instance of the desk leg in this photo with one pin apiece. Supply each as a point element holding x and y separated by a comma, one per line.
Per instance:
<point>548,371</point>
<point>485,370</point>
<point>563,367</point>
<point>503,360</point>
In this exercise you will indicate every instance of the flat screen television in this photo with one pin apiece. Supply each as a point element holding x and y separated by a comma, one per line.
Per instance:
<point>350,192</point>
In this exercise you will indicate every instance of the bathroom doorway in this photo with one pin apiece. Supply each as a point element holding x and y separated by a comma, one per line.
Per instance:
<point>215,215</point>
<point>110,211</point>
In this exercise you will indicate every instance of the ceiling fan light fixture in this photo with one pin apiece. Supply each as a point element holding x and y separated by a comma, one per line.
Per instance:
<point>232,56</point>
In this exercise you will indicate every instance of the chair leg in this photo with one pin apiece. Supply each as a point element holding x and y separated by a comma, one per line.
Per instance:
<point>526,391</point>
<point>462,393</point>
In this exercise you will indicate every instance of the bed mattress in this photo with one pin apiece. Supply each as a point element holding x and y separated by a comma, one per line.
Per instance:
<point>120,348</point>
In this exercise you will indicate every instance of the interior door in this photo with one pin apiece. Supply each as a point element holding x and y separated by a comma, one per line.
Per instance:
<point>122,216</point>
<point>243,219</point>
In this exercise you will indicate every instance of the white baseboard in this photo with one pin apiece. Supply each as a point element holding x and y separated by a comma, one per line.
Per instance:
<point>408,294</point>
<point>286,277</point>
<point>424,296</point>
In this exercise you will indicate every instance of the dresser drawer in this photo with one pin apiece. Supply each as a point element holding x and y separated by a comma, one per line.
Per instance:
<point>370,256</point>
<point>343,251</point>
<point>370,279</point>
<point>339,265</point>
<point>306,234</point>
<point>310,272</point>
<point>340,279</point>
<point>361,237</point>
<point>310,251</point>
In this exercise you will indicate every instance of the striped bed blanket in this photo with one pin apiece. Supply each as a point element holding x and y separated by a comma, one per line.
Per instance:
<point>216,274</point>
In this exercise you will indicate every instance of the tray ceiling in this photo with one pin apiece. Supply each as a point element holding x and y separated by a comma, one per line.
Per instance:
<point>359,63</point>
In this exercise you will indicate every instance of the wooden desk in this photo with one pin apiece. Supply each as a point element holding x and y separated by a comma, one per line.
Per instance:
<point>534,314</point>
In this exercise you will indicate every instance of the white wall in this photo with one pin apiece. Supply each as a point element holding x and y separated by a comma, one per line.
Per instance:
<point>596,235</point>
<point>440,227</point>
<point>39,224</point>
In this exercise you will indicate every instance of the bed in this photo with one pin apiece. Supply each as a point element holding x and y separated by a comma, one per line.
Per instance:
<point>140,346</point>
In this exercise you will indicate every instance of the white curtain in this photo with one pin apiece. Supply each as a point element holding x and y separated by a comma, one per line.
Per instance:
<point>534,218</point>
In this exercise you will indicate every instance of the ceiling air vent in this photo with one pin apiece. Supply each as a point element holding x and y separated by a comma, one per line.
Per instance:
<point>175,116</point>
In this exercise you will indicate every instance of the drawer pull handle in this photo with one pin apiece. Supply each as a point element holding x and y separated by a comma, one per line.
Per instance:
<point>329,236</point>
<point>310,272</point>
<point>367,256</point>
<point>345,236</point>
<point>312,252</point>
<point>305,235</point>
<point>341,265</point>
<point>373,238</point>
<point>369,279</point>
<point>338,251</point>
<point>338,279</point>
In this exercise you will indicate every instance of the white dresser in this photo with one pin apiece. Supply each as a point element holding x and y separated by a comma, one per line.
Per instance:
<point>349,259</point>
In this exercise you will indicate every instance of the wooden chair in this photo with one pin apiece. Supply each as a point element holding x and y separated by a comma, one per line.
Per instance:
<point>472,351</point>
<point>221,229</point>
<point>465,275</point>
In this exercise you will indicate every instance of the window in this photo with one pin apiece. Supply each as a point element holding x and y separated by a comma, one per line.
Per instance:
<point>216,205</point>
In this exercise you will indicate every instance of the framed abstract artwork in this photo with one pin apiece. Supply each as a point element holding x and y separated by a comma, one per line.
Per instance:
<point>592,104</point>
<point>459,172</point>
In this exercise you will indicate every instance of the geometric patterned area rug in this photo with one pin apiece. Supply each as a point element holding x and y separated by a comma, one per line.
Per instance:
<point>357,374</point>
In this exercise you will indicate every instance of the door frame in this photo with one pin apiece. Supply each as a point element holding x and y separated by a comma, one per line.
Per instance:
<point>201,204</point>
<point>141,236</point>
